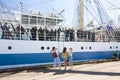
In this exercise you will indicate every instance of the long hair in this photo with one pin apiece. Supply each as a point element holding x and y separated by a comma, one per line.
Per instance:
<point>53,48</point>
<point>64,50</point>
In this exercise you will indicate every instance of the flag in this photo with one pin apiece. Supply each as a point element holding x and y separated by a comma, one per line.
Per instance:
<point>109,28</point>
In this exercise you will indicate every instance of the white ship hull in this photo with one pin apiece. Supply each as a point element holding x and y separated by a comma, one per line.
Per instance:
<point>22,53</point>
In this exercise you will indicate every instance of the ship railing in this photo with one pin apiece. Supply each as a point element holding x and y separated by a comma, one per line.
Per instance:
<point>47,36</point>
<point>43,36</point>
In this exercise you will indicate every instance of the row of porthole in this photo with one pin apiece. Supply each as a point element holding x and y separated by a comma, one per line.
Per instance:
<point>113,47</point>
<point>86,48</point>
<point>42,48</point>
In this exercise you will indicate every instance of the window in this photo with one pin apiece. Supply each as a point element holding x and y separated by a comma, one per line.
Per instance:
<point>9,47</point>
<point>42,48</point>
<point>110,47</point>
<point>81,47</point>
<point>90,47</point>
<point>116,47</point>
<point>48,48</point>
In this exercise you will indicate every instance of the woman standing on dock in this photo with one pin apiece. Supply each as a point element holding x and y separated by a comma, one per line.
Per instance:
<point>70,58</point>
<point>56,58</point>
<point>65,57</point>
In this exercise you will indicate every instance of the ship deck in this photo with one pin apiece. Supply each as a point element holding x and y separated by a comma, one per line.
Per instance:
<point>93,71</point>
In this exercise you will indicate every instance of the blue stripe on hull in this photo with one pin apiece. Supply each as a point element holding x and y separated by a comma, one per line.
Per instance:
<point>16,59</point>
<point>92,55</point>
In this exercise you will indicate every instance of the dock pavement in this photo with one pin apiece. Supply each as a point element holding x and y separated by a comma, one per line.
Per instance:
<point>93,71</point>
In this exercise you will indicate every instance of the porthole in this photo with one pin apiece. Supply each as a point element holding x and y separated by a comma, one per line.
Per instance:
<point>116,47</point>
<point>9,47</point>
<point>42,48</point>
<point>90,47</point>
<point>48,48</point>
<point>81,47</point>
<point>110,47</point>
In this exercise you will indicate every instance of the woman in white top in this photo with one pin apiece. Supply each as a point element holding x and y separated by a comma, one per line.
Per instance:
<point>56,58</point>
<point>70,58</point>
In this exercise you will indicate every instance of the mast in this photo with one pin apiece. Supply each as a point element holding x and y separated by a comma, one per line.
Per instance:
<point>20,19</point>
<point>81,14</point>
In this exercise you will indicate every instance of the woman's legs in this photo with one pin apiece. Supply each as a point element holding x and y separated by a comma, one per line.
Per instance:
<point>65,63</point>
<point>70,63</point>
<point>55,63</point>
<point>58,62</point>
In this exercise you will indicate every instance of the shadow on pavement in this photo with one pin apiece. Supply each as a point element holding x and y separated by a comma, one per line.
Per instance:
<point>58,72</point>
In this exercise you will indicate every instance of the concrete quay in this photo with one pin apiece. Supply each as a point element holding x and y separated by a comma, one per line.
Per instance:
<point>93,71</point>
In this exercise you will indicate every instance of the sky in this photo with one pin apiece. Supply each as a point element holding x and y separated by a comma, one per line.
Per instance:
<point>59,5</point>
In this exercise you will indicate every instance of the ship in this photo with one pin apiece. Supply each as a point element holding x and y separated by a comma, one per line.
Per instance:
<point>30,41</point>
